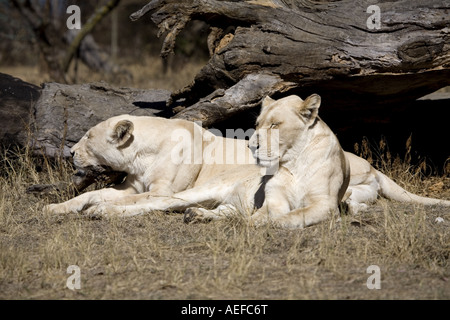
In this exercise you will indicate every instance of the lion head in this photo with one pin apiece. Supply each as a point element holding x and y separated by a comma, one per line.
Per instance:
<point>99,151</point>
<point>280,126</point>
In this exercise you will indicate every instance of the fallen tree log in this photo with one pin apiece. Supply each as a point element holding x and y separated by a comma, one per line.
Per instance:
<point>335,48</point>
<point>64,113</point>
<point>246,94</point>
<point>52,118</point>
<point>17,99</point>
<point>57,116</point>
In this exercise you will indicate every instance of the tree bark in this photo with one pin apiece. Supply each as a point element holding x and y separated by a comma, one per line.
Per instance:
<point>17,99</point>
<point>49,41</point>
<point>64,113</point>
<point>245,95</point>
<point>327,47</point>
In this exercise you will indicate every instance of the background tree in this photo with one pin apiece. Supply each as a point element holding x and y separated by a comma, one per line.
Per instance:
<point>57,45</point>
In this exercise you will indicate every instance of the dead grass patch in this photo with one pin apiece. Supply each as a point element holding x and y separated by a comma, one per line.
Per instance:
<point>146,73</point>
<point>156,256</point>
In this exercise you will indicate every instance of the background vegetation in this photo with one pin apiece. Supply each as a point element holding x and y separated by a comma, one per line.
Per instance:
<point>137,48</point>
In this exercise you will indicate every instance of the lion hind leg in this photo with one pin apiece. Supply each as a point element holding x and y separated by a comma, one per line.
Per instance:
<point>193,215</point>
<point>360,196</point>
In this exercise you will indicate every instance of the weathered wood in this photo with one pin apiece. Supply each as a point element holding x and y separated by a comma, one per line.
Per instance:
<point>53,118</point>
<point>40,189</point>
<point>17,99</point>
<point>64,113</point>
<point>325,45</point>
<point>245,95</point>
<point>79,184</point>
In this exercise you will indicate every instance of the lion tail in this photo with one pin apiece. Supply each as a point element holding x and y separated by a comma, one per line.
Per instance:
<point>389,189</point>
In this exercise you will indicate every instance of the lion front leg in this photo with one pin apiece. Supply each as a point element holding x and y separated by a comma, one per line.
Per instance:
<point>206,196</point>
<point>275,205</point>
<point>260,217</point>
<point>86,200</point>
<point>278,213</point>
<point>75,205</point>
<point>314,213</point>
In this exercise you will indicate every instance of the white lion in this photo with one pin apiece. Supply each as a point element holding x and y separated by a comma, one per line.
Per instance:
<point>310,174</point>
<point>160,157</point>
<point>310,170</point>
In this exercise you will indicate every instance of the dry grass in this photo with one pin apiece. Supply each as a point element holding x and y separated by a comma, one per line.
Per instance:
<point>146,73</point>
<point>158,257</point>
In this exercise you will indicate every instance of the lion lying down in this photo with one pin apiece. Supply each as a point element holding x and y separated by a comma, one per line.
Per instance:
<point>179,166</point>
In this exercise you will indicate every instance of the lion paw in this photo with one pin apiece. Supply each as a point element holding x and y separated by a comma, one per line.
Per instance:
<point>355,207</point>
<point>258,219</point>
<point>100,210</point>
<point>195,215</point>
<point>55,209</point>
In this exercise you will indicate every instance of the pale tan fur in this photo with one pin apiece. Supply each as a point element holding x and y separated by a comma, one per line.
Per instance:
<point>367,184</point>
<point>313,173</point>
<point>309,174</point>
<point>143,147</point>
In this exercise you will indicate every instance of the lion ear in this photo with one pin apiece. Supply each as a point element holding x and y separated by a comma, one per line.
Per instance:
<point>310,107</point>
<point>122,132</point>
<point>267,102</point>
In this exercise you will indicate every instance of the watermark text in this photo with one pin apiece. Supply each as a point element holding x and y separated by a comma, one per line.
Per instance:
<point>74,21</point>
<point>374,281</point>
<point>74,281</point>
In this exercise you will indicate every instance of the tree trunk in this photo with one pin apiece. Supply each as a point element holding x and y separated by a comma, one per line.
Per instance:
<point>49,40</point>
<point>99,14</point>
<point>326,47</point>
<point>58,49</point>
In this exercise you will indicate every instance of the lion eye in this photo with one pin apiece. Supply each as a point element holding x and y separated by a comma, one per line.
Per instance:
<point>274,125</point>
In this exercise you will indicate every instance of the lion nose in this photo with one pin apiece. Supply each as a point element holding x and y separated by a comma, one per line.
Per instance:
<point>253,148</point>
<point>253,144</point>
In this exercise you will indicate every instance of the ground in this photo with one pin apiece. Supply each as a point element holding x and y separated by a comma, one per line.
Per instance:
<point>157,256</point>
